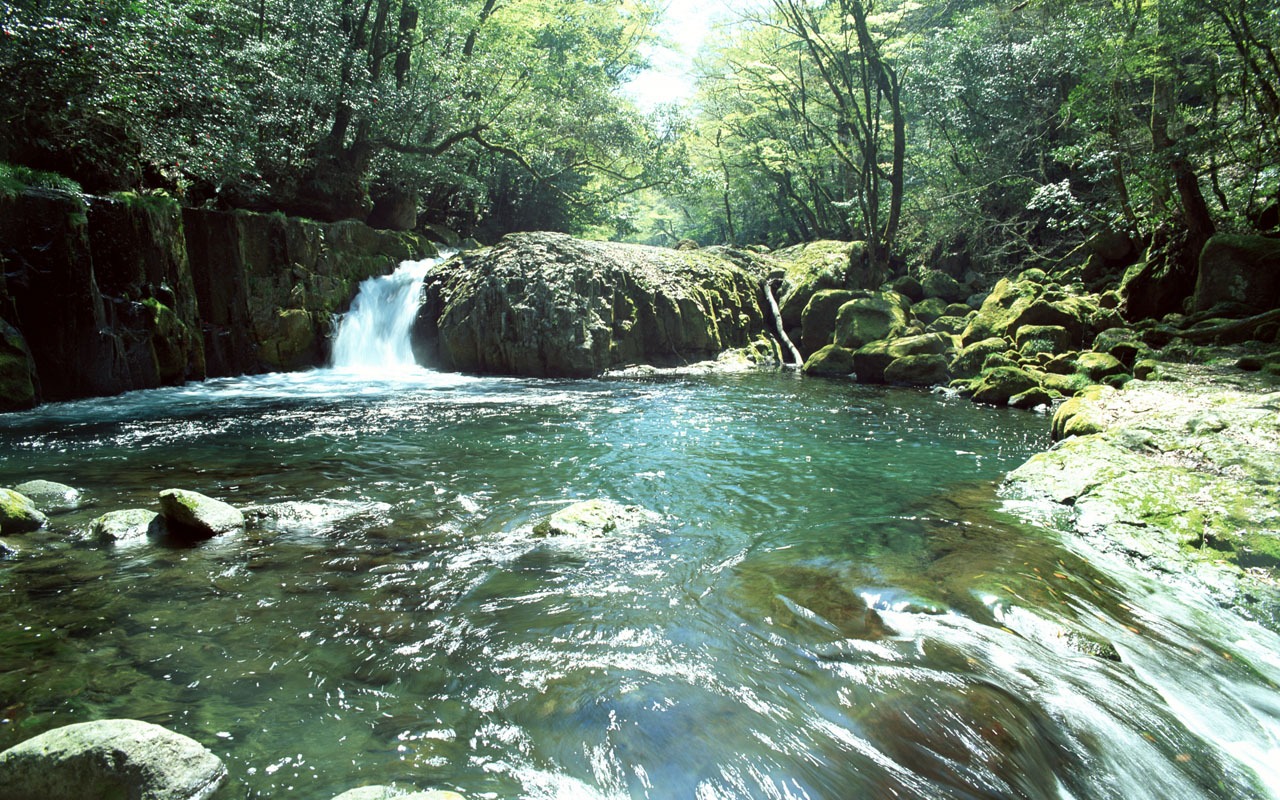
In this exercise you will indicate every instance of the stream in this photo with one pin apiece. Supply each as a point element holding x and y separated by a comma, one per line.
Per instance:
<point>831,600</point>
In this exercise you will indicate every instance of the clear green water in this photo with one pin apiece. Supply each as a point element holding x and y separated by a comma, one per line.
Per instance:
<point>829,607</point>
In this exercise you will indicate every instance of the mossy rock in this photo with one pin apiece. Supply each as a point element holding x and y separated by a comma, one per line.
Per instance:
<point>908,287</point>
<point>870,361</point>
<point>1147,369</point>
<point>125,525</point>
<point>17,370</point>
<point>818,321</point>
<point>1079,415</point>
<point>942,286</point>
<point>948,324</point>
<point>919,370</point>
<point>869,319</point>
<point>929,310</point>
<point>997,386</point>
<point>1099,366</point>
<point>291,342</point>
<point>1067,384</point>
<point>193,514</point>
<point>1014,305</point>
<point>1036,397</point>
<point>1032,339</point>
<point>830,361</point>
<point>968,362</point>
<point>812,267</point>
<point>18,514</point>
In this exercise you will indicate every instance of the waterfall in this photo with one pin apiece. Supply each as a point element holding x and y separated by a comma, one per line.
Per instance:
<point>374,334</point>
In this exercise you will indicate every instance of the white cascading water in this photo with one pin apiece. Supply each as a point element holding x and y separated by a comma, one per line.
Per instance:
<point>374,335</point>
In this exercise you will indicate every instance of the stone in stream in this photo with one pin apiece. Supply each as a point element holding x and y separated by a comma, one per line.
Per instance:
<point>187,512</point>
<point>114,758</point>
<point>592,519</point>
<point>126,525</point>
<point>18,514</point>
<point>391,793</point>
<point>50,497</point>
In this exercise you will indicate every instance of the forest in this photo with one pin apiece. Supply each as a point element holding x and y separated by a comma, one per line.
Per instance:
<point>993,135</point>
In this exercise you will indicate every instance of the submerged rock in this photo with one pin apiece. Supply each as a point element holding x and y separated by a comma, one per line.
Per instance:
<point>392,793</point>
<point>116,758</point>
<point>18,514</point>
<point>197,515</point>
<point>545,304</point>
<point>123,526</point>
<point>592,519</point>
<point>49,496</point>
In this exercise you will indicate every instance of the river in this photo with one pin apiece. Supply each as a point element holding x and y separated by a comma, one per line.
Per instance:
<point>829,602</point>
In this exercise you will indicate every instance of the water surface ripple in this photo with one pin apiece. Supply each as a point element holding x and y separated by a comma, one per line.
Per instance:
<point>828,604</point>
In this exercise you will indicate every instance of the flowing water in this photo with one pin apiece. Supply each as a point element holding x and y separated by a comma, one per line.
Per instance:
<point>827,603</point>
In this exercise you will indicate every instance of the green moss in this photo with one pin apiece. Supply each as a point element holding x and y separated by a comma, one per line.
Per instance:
<point>153,200</point>
<point>15,179</point>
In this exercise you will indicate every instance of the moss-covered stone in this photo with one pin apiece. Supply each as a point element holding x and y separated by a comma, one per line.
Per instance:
<point>293,343</point>
<point>818,321</point>
<point>18,514</point>
<point>968,362</point>
<point>1033,339</point>
<point>1242,270</point>
<point>810,268</point>
<point>918,370</point>
<point>997,386</point>
<point>1016,304</point>
<point>193,514</point>
<point>929,309</point>
<point>869,319</point>
<point>1099,366</point>
<point>1035,397</point>
<point>830,361</point>
<point>871,360</point>
<point>1067,384</point>
<point>942,286</point>
<point>950,325</point>
<point>125,525</point>
<point>1146,369</point>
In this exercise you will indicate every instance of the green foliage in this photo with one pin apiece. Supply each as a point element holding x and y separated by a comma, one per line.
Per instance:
<point>14,179</point>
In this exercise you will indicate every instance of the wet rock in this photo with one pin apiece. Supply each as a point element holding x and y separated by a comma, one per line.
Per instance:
<point>871,361</point>
<point>17,370</point>
<point>832,361</point>
<point>7,549</point>
<point>818,322</point>
<point>50,497</point>
<point>871,319</point>
<point>392,793</point>
<point>194,514</point>
<point>1034,397</point>
<point>592,519</point>
<point>127,525</point>
<point>18,514</point>
<point>997,386</point>
<point>970,360</point>
<point>921,370</point>
<point>119,758</point>
<point>544,304</point>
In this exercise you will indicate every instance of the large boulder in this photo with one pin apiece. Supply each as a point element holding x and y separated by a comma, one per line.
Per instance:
<point>998,386</point>
<point>18,514</point>
<point>942,286</point>
<point>832,361</point>
<point>872,360</point>
<point>1241,270</point>
<point>863,320</point>
<point>818,322</point>
<point>1013,305</point>
<point>545,304</point>
<point>969,361</point>
<point>116,758</point>
<point>921,370</point>
<point>809,268</point>
<point>193,514</point>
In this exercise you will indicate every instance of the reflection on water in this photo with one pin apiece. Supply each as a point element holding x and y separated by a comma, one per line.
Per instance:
<point>828,606</point>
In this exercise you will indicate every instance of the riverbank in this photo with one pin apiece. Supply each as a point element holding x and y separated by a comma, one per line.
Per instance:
<point>1177,474</point>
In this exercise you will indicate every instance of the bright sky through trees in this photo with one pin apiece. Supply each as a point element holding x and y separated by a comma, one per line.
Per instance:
<point>685,24</point>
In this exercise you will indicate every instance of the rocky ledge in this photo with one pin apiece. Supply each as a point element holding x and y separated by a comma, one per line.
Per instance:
<point>1179,474</point>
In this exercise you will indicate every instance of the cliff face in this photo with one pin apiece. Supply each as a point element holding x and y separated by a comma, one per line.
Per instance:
<point>104,295</point>
<point>547,305</point>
